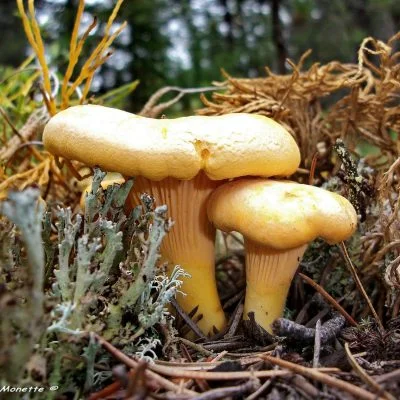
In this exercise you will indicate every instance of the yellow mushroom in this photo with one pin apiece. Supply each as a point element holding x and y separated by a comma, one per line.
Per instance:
<point>180,162</point>
<point>277,219</point>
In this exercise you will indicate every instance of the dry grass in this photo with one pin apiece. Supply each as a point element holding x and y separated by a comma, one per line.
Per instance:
<point>25,163</point>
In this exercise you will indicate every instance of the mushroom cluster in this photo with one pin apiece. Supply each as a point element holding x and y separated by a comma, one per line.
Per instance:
<point>186,163</point>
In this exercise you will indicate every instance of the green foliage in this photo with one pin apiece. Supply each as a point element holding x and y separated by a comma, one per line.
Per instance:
<point>18,95</point>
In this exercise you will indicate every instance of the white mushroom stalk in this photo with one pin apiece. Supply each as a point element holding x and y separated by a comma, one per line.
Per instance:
<point>179,162</point>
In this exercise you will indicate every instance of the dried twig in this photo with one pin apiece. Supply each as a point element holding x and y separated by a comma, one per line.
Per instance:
<point>317,344</point>
<point>225,392</point>
<point>312,168</point>
<point>359,284</point>
<point>32,127</point>
<point>215,376</point>
<point>195,346</point>
<point>153,109</point>
<point>393,375</point>
<point>188,320</point>
<point>151,374</point>
<point>237,316</point>
<point>329,299</point>
<point>364,376</point>
<point>312,373</point>
<point>260,390</point>
<point>174,372</point>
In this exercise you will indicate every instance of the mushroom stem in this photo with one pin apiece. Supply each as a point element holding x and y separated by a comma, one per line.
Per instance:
<point>269,273</point>
<point>190,243</point>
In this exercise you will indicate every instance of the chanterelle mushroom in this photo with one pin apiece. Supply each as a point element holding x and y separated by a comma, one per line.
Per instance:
<point>179,162</point>
<point>277,219</point>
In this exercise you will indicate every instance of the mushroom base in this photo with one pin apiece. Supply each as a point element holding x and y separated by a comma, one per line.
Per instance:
<point>269,274</point>
<point>190,243</point>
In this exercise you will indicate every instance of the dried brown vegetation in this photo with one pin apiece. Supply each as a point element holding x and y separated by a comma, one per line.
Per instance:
<point>363,100</point>
<point>359,104</point>
<point>25,161</point>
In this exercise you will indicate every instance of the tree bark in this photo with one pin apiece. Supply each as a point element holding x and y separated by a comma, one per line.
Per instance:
<point>277,36</point>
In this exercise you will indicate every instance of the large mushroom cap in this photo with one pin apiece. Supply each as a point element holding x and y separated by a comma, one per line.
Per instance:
<point>224,146</point>
<point>281,214</point>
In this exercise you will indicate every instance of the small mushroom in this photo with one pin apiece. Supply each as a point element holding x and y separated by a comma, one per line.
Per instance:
<point>179,162</point>
<point>277,219</point>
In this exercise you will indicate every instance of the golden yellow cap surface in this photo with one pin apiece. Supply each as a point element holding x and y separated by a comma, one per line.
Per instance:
<point>224,146</point>
<point>281,214</point>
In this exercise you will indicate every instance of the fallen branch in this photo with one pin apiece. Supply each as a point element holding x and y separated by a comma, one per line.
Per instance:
<point>293,331</point>
<point>32,127</point>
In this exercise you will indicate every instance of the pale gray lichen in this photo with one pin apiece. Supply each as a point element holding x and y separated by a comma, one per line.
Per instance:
<point>22,321</point>
<point>102,275</point>
<point>145,349</point>
<point>359,189</point>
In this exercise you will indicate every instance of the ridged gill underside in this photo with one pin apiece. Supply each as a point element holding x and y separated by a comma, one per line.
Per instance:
<point>269,274</point>
<point>190,243</point>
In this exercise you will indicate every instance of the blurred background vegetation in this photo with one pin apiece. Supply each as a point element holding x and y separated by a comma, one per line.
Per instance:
<point>186,42</point>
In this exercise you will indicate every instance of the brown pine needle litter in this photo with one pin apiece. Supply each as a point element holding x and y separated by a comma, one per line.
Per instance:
<point>367,108</point>
<point>360,105</point>
<point>346,121</point>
